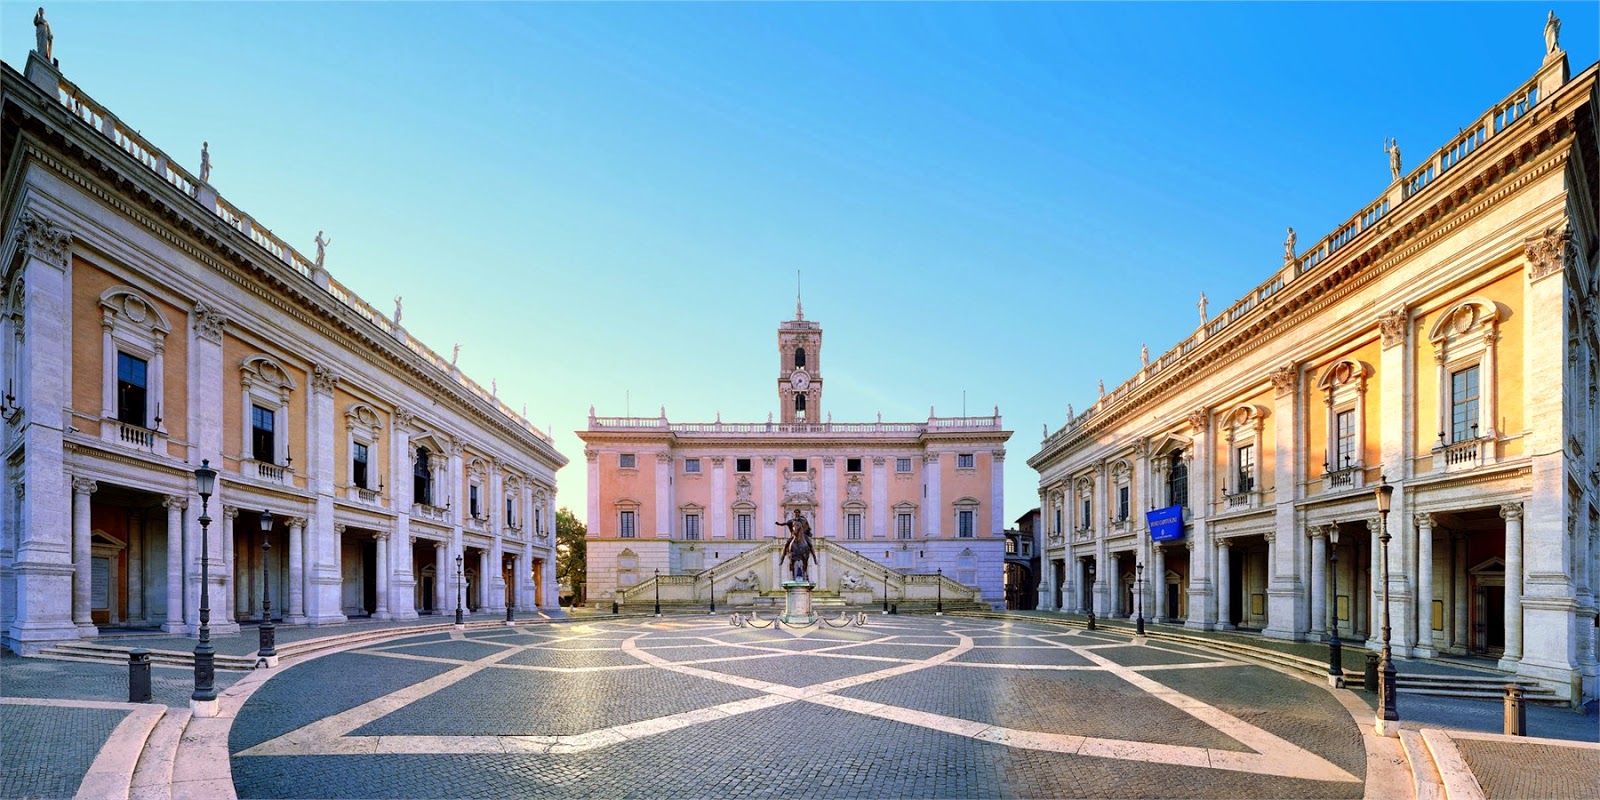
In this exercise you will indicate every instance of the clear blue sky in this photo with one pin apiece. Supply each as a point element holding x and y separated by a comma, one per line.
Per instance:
<point>609,200</point>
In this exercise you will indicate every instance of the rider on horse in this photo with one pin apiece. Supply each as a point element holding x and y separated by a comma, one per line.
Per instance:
<point>798,550</point>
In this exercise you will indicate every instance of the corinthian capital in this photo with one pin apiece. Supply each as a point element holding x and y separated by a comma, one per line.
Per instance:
<point>43,239</point>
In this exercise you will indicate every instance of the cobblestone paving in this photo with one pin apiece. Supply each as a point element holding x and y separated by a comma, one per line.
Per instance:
<point>1512,771</point>
<point>46,750</point>
<point>74,680</point>
<point>550,716</point>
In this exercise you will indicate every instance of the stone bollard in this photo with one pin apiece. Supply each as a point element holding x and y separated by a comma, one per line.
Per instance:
<point>508,615</point>
<point>1369,678</point>
<point>894,608</point>
<point>613,606</point>
<point>138,676</point>
<point>1516,711</point>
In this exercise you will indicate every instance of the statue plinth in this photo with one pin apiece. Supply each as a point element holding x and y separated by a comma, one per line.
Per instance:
<point>797,603</point>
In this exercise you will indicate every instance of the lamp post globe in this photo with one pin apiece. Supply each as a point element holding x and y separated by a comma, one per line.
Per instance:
<point>205,656</point>
<point>460,581</point>
<point>1387,720</point>
<point>268,651</point>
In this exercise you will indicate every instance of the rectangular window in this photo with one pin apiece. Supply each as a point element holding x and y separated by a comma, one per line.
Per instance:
<point>625,525</point>
<point>798,465</point>
<point>422,478</point>
<point>1178,481</point>
<point>627,461</point>
<point>742,526</point>
<point>852,526</point>
<point>472,501</point>
<point>965,461</point>
<point>261,442</point>
<point>1344,455</point>
<point>741,465</point>
<point>902,465</point>
<point>132,394</point>
<point>691,466</point>
<point>964,524</point>
<point>1083,521</point>
<point>1122,502</point>
<point>1058,520</point>
<point>1247,469</point>
<point>1464,405</point>
<point>1026,546</point>
<point>358,466</point>
<point>852,465</point>
<point>1011,546</point>
<point>511,516</point>
<point>691,526</point>
<point>902,526</point>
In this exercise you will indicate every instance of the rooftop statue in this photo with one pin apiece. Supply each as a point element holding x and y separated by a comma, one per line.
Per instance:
<point>1144,354</point>
<point>205,162</point>
<point>1552,32</point>
<point>1393,149</point>
<point>1288,246</point>
<point>44,40</point>
<point>398,309</point>
<point>322,251</point>
<point>1203,303</point>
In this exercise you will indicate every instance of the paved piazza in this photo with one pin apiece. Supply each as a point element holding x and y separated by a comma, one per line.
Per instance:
<point>907,706</point>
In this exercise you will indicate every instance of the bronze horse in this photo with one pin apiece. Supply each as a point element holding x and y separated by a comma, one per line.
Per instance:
<point>797,550</point>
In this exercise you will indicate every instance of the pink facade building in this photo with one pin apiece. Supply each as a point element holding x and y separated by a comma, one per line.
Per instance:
<point>895,503</point>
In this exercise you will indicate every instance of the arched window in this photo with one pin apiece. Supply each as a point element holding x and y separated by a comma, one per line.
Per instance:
<point>422,479</point>
<point>799,406</point>
<point>1178,481</point>
<point>799,357</point>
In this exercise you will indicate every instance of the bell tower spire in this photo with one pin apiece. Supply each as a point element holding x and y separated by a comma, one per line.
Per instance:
<point>799,366</point>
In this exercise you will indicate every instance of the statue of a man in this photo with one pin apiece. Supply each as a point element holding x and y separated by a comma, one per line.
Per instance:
<point>1288,246</point>
<point>398,310</point>
<point>1203,303</point>
<point>1144,354</point>
<point>205,162</point>
<point>44,40</point>
<point>456,353</point>
<point>322,250</point>
<point>797,550</point>
<point>1393,149</point>
<point>1552,32</point>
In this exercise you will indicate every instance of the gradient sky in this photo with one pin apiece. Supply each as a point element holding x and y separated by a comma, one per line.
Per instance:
<point>608,203</point>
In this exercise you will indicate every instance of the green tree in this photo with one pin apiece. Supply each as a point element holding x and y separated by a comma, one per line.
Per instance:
<point>572,553</point>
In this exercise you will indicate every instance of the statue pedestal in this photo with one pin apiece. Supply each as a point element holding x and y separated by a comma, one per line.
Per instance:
<point>797,603</point>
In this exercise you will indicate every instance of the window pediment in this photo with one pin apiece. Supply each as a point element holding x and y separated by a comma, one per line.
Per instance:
<point>263,370</point>
<point>361,415</point>
<point>1473,315</point>
<point>125,304</point>
<point>1344,373</point>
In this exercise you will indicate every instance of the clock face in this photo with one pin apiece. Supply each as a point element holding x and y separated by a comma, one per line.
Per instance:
<point>799,379</point>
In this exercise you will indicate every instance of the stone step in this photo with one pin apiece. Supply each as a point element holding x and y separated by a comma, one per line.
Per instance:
<point>1425,781</point>
<point>152,776</point>
<point>1542,697</point>
<point>112,654</point>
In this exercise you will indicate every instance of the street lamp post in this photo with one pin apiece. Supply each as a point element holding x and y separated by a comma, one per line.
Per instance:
<point>1388,718</point>
<point>460,581</point>
<point>269,632</point>
<point>1139,622</point>
<point>939,609</point>
<point>1091,594</point>
<point>713,574</point>
<point>657,583</point>
<point>204,699</point>
<point>885,591</point>
<point>1335,654</point>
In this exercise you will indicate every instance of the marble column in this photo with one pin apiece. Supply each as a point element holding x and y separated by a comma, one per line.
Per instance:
<point>82,573</point>
<point>1272,569</point>
<point>1512,513</point>
<point>382,610</point>
<point>1424,647</point>
<point>230,515</point>
<point>1375,587</point>
<point>1459,643</point>
<point>444,579</point>
<point>297,571</point>
<point>1319,583</point>
<point>175,506</point>
<point>1224,587</point>
<point>483,581</point>
<point>1155,576</point>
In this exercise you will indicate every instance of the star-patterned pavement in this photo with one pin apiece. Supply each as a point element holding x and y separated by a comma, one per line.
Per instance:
<point>692,706</point>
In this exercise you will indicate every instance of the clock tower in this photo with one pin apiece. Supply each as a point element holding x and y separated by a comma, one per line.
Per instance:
<point>800,368</point>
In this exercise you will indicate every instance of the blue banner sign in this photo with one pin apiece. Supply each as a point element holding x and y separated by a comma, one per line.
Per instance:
<point>1166,524</point>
